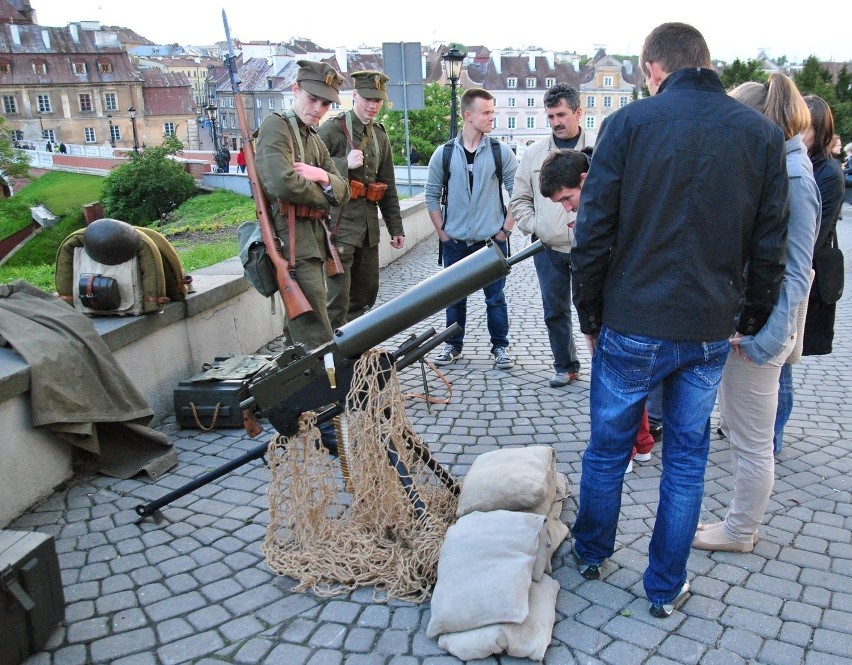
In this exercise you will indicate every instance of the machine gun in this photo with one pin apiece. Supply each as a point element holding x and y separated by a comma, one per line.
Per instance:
<point>297,381</point>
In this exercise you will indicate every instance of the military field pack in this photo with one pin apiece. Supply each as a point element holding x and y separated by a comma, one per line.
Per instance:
<point>112,268</point>
<point>211,398</point>
<point>32,603</point>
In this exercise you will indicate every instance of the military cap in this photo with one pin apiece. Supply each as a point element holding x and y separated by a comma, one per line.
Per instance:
<point>370,84</point>
<point>319,79</point>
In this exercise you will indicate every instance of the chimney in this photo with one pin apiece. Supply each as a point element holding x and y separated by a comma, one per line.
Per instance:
<point>72,28</point>
<point>16,33</point>
<point>497,57</point>
<point>532,62</point>
<point>45,36</point>
<point>340,54</point>
<point>551,60</point>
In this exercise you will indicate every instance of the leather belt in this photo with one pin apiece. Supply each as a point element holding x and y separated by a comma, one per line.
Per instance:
<point>305,211</point>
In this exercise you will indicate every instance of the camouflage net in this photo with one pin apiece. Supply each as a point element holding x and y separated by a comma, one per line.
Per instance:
<point>334,535</point>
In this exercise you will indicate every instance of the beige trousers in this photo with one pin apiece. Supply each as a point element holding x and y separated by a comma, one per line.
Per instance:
<point>748,400</point>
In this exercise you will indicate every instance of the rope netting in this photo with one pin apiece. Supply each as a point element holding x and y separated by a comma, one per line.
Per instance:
<point>333,532</point>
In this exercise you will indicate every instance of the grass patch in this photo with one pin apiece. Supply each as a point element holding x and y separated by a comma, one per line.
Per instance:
<point>202,230</point>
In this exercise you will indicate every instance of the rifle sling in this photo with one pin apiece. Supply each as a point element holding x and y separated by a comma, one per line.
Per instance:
<point>291,232</point>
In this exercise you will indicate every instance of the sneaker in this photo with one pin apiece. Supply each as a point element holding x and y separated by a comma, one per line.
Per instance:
<point>642,457</point>
<point>591,571</point>
<point>629,467</point>
<point>502,359</point>
<point>448,355</point>
<point>665,610</point>
<point>560,379</point>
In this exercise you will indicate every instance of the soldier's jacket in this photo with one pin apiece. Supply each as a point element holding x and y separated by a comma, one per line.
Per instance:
<point>361,214</point>
<point>275,152</point>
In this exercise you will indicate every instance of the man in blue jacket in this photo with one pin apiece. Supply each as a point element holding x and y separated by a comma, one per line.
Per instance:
<point>680,240</point>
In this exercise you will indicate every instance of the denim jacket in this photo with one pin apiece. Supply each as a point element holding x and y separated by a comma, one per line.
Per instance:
<point>474,214</point>
<point>805,212</point>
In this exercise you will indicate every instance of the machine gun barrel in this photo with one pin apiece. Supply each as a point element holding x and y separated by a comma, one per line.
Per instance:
<point>433,294</point>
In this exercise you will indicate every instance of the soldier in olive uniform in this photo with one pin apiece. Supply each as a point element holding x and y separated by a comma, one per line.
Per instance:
<point>294,168</point>
<point>361,151</point>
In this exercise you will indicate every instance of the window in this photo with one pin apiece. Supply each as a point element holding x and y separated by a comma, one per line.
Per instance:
<point>623,101</point>
<point>513,123</point>
<point>110,101</point>
<point>234,121</point>
<point>43,104</point>
<point>49,135</point>
<point>531,82</point>
<point>89,134</point>
<point>78,67</point>
<point>86,102</point>
<point>271,104</point>
<point>258,103</point>
<point>230,102</point>
<point>590,102</point>
<point>530,101</point>
<point>169,129</point>
<point>40,67</point>
<point>335,106</point>
<point>10,104</point>
<point>5,68</point>
<point>607,81</point>
<point>17,135</point>
<point>590,122</point>
<point>105,67</point>
<point>115,133</point>
<point>550,82</point>
<point>494,122</point>
<point>531,122</point>
<point>607,101</point>
<point>223,103</point>
<point>511,101</point>
<point>512,82</point>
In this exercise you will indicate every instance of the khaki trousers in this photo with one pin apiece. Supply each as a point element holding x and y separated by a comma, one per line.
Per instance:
<point>748,399</point>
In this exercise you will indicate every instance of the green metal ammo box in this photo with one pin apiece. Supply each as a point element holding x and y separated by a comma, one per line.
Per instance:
<point>32,602</point>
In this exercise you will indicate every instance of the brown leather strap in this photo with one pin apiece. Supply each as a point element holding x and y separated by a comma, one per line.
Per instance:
<point>291,231</point>
<point>89,283</point>
<point>336,267</point>
<point>349,140</point>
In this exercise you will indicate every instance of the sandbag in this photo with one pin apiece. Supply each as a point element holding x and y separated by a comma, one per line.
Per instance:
<point>528,639</point>
<point>510,479</point>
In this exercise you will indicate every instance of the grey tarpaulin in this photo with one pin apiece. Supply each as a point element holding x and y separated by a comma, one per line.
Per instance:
<point>77,389</point>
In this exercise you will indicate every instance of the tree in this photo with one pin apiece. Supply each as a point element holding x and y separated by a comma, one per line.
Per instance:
<point>814,79</point>
<point>148,186</point>
<point>741,72</point>
<point>13,161</point>
<point>428,128</point>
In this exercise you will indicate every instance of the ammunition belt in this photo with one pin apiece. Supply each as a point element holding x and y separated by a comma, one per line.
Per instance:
<point>305,211</point>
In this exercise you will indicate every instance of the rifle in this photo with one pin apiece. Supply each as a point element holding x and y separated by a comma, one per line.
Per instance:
<point>295,302</point>
<point>296,381</point>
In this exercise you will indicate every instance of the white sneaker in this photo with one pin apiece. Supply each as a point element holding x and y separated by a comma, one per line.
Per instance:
<point>642,457</point>
<point>629,468</point>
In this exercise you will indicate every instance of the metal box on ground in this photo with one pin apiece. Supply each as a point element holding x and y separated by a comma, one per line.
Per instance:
<point>207,405</point>
<point>32,602</point>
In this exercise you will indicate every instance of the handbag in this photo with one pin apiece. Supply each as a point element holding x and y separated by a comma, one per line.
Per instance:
<point>828,264</point>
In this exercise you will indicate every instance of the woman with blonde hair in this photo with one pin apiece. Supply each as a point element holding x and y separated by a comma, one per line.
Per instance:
<point>748,393</point>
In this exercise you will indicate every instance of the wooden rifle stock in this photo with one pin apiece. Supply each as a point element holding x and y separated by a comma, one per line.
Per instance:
<point>295,302</point>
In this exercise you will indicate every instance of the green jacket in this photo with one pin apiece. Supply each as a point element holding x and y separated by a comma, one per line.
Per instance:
<point>359,215</point>
<point>275,153</point>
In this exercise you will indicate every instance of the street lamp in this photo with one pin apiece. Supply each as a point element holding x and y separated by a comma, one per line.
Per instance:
<point>211,114</point>
<point>452,69</point>
<point>111,139</point>
<point>132,112</point>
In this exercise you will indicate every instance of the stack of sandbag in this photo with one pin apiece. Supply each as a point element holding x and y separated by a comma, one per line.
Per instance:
<point>494,594</point>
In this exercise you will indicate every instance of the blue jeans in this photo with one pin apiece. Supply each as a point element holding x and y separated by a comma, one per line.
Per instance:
<point>624,369</point>
<point>496,311</point>
<point>785,405</point>
<point>554,277</point>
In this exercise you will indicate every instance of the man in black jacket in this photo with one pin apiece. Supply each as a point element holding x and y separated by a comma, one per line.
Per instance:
<point>680,239</point>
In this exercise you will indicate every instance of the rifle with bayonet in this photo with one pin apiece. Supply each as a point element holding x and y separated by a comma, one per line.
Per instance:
<point>295,302</point>
<point>296,381</point>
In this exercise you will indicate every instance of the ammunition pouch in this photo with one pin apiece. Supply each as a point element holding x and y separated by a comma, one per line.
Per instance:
<point>99,292</point>
<point>376,191</point>
<point>357,189</point>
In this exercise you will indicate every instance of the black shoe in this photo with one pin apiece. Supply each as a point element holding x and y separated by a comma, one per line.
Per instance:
<point>665,610</point>
<point>591,571</point>
<point>656,432</point>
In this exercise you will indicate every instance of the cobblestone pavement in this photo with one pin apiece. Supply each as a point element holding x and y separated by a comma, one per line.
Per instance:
<point>194,588</point>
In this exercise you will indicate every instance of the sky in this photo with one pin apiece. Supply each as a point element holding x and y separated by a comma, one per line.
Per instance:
<point>732,28</point>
